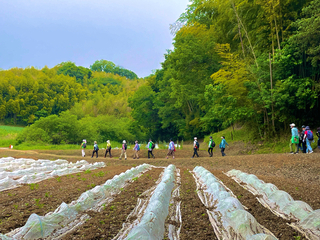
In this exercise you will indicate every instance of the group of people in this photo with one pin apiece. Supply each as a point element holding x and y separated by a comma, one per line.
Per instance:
<point>301,140</point>
<point>151,146</point>
<point>211,145</point>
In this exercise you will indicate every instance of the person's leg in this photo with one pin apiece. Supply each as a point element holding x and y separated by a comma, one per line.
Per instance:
<point>83,153</point>
<point>304,147</point>
<point>97,153</point>
<point>222,152</point>
<point>121,154</point>
<point>209,152</point>
<point>110,153</point>
<point>309,146</point>
<point>152,154</point>
<point>290,145</point>
<point>92,153</point>
<point>105,155</point>
<point>125,155</point>
<point>172,154</point>
<point>297,149</point>
<point>148,154</point>
<point>197,152</point>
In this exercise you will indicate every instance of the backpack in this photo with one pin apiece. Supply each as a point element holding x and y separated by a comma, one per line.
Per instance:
<point>213,144</point>
<point>198,145</point>
<point>84,145</point>
<point>153,146</point>
<point>138,148</point>
<point>310,135</point>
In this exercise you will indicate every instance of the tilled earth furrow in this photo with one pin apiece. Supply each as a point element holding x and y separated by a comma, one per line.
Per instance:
<point>278,226</point>
<point>107,223</point>
<point>195,221</point>
<point>18,204</point>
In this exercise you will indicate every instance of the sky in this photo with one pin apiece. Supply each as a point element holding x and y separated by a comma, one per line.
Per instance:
<point>132,34</point>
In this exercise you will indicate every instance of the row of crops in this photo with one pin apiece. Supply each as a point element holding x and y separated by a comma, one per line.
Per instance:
<point>228,217</point>
<point>15,172</point>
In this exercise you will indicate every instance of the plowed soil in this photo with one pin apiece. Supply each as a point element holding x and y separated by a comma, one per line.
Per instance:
<point>107,223</point>
<point>195,221</point>
<point>299,175</point>
<point>278,226</point>
<point>19,203</point>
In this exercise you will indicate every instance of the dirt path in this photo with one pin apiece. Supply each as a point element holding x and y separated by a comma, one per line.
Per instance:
<point>43,197</point>
<point>264,216</point>
<point>195,221</point>
<point>107,223</point>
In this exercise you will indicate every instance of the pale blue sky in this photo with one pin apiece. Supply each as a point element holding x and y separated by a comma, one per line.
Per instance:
<point>132,34</point>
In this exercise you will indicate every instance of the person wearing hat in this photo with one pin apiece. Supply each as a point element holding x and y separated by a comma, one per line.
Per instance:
<point>222,145</point>
<point>308,141</point>
<point>171,149</point>
<point>124,150</point>
<point>195,147</point>
<point>211,146</point>
<point>136,150</point>
<point>108,149</point>
<point>95,149</point>
<point>83,146</point>
<point>294,138</point>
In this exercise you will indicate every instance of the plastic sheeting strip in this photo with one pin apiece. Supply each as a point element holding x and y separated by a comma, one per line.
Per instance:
<point>226,214</point>
<point>265,193</point>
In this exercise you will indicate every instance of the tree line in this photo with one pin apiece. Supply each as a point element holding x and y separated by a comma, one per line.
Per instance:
<point>252,62</point>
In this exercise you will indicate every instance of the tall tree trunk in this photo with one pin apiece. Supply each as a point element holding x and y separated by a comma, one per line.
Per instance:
<point>245,31</point>
<point>272,111</point>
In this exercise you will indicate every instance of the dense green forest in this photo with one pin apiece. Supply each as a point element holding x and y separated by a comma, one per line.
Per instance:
<point>251,62</point>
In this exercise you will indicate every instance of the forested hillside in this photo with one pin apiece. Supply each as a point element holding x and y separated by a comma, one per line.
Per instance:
<point>251,62</point>
<point>254,62</point>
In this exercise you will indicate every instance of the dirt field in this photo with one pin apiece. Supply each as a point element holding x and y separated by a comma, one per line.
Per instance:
<point>299,175</point>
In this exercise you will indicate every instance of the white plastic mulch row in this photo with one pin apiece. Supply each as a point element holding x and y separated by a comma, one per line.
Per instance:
<point>152,224</point>
<point>281,203</point>
<point>44,226</point>
<point>14,172</point>
<point>227,215</point>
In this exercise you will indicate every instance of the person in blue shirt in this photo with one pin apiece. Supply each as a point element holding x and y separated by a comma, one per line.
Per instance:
<point>171,149</point>
<point>223,145</point>
<point>294,138</point>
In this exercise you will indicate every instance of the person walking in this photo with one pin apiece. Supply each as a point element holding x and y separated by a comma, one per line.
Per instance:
<point>83,146</point>
<point>294,139</point>
<point>171,149</point>
<point>95,149</point>
<point>196,147</point>
<point>223,145</point>
<point>108,149</point>
<point>123,150</point>
<point>308,136</point>
<point>301,135</point>
<point>211,145</point>
<point>318,135</point>
<point>304,143</point>
<point>151,146</point>
<point>136,150</point>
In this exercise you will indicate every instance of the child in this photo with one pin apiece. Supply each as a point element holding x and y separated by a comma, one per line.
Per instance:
<point>150,148</point>
<point>223,146</point>
<point>95,149</point>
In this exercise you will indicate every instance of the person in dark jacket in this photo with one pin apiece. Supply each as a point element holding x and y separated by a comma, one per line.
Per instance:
<point>95,149</point>
<point>304,143</point>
